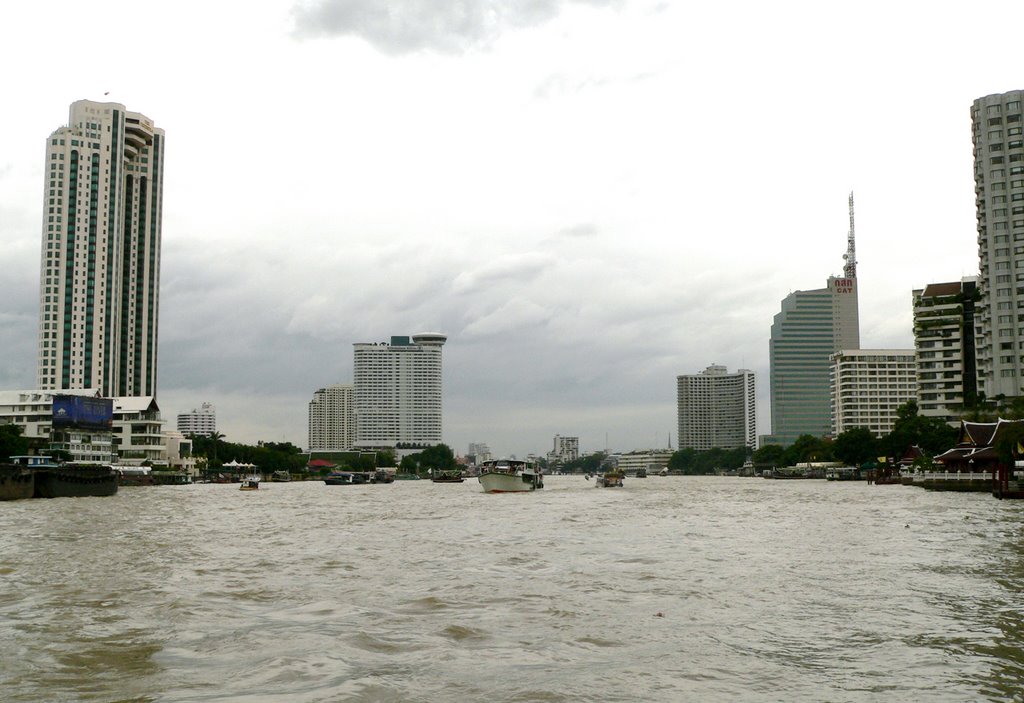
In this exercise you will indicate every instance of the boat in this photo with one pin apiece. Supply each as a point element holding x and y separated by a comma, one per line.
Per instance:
<point>641,473</point>
<point>449,476</point>
<point>16,482</point>
<point>509,476</point>
<point>75,481</point>
<point>250,483</point>
<point>382,476</point>
<point>610,479</point>
<point>344,478</point>
<point>280,477</point>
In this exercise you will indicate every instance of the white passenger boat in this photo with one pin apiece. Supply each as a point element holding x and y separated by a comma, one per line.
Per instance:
<point>509,476</point>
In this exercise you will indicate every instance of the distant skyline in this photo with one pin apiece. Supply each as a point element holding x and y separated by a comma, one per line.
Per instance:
<point>588,198</point>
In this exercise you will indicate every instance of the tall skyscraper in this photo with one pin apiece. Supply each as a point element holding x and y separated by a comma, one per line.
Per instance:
<point>812,325</point>
<point>997,124</point>
<point>100,277</point>
<point>717,409</point>
<point>397,395</point>
<point>332,419</point>
<point>944,343</point>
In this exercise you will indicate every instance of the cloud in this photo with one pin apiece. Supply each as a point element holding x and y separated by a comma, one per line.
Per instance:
<point>408,26</point>
<point>516,268</point>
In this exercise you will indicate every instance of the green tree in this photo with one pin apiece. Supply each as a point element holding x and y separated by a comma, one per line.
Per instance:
<point>930,433</point>
<point>11,442</point>
<point>807,448</point>
<point>855,447</point>
<point>768,456</point>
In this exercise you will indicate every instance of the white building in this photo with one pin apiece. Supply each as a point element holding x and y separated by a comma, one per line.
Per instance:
<point>651,460</point>
<point>868,385</point>
<point>136,435</point>
<point>717,409</point>
<point>944,342</point>
<point>332,420</point>
<point>565,449</point>
<point>201,422</point>
<point>100,271</point>
<point>998,135</point>
<point>397,392</point>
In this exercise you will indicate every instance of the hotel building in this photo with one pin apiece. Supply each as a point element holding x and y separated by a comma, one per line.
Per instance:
<point>332,420</point>
<point>716,408</point>
<point>397,392</point>
<point>100,273</point>
<point>998,136</point>
<point>563,450</point>
<point>201,422</point>
<point>944,320</point>
<point>868,386</point>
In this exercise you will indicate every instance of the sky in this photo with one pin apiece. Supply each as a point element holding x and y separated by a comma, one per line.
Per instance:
<point>589,197</point>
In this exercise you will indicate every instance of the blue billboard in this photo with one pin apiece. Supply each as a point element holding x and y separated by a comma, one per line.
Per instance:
<point>83,412</point>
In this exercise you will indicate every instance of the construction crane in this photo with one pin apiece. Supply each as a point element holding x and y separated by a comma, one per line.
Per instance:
<point>850,257</point>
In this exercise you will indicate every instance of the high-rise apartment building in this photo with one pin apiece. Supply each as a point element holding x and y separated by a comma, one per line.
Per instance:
<point>717,409</point>
<point>998,135</point>
<point>564,450</point>
<point>868,386</point>
<point>201,422</point>
<point>332,420</point>
<point>944,316</point>
<point>100,276</point>
<point>397,394</point>
<point>812,325</point>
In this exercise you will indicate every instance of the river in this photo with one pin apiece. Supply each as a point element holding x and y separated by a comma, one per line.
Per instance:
<point>669,589</point>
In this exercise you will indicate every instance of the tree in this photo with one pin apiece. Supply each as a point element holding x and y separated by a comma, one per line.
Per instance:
<point>807,448</point>
<point>855,447</point>
<point>11,442</point>
<point>930,433</point>
<point>770,455</point>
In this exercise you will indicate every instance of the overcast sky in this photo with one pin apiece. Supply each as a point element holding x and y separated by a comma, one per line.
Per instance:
<point>588,197</point>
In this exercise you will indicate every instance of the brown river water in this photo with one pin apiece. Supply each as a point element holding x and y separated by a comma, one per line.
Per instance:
<point>668,589</point>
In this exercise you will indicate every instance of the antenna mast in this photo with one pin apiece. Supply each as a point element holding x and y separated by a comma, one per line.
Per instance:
<point>850,267</point>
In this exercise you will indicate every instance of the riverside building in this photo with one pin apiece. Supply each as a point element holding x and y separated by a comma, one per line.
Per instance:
<point>944,321</point>
<point>563,450</point>
<point>997,128</point>
<point>716,408</point>
<point>812,325</point>
<point>332,421</point>
<point>397,392</point>
<point>201,422</point>
<point>868,386</point>
<point>100,271</point>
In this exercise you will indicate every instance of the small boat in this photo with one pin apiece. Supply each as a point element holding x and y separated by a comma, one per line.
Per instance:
<point>451,476</point>
<point>509,476</point>
<point>250,483</point>
<point>344,478</point>
<point>641,473</point>
<point>281,477</point>
<point>610,479</point>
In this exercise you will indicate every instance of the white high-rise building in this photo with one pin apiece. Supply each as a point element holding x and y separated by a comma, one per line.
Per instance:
<point>998,136</point>
<point>332,420</point>
<point>201,422</point>
<point>100,275</point>
<point>397,392</point>
<point>564,450</point>
<point>868,386</point>
<point>717,409</point>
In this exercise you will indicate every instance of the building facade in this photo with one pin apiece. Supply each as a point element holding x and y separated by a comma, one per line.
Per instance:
<point>868,386</point>
<point>332,420</point>
<point>136,436</point>
<point>811,326</point>
<point>944,322</point>
<point>201,422</point>
<point>100,270</point>
<point>716,408</point>
<point>397,392</point>
<point>997,128</point>
<point>564,450</point>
